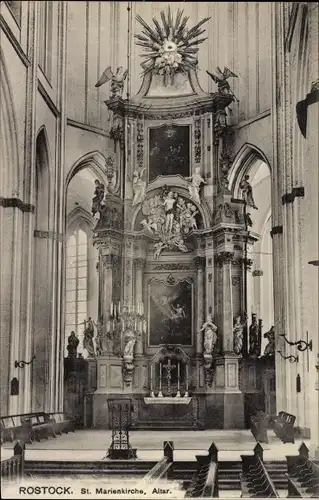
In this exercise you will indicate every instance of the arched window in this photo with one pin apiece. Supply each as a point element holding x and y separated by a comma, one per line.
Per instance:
<point>77,284</point>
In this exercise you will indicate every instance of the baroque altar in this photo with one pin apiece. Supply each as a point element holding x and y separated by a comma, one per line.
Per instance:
<point>172,242</point>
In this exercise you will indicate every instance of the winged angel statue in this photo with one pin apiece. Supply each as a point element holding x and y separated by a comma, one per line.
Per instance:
<point>117,79</point>
<point>221,77</point>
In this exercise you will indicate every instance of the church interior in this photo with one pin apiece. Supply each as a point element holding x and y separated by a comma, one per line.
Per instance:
<point>159,227</point>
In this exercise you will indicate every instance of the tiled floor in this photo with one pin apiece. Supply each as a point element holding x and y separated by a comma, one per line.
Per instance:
<point>92,444</point>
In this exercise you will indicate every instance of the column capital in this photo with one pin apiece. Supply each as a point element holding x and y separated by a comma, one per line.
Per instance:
<point>139,263</point>
<point>224,258</point>
<point>199,262</point>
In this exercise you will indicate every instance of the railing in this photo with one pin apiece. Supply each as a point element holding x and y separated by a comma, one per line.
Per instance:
<point>13,467</point>
<point>255,480</point>
<point>161,468</point>
<point>205,483</point>
<point>303,475</point>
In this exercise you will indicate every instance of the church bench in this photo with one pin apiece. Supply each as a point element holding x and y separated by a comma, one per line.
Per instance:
<point>259,425</point>
<point>62,422</point>
<point>161,469</point>
<point>12,428</point>
<point>205,481</point>
<point>303,475</point>
<point>41,424</point>
<point>254,479</point>
<point>283,426</point>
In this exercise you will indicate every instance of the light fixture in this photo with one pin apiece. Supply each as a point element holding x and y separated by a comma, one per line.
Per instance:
<point>21,364</point>
<point>302,345</point>
<point>291,358</point>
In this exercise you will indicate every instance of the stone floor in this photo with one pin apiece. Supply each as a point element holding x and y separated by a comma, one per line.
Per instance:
<point>92,444</point>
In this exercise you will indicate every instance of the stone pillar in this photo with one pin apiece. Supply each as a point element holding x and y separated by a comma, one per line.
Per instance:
<point>200,305</point>
<point>226,321</point>
<point>107,278</point>
<point>139,266</point>
<point>128,271</point>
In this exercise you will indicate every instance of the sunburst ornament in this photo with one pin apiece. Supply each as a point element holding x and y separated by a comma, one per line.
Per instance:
<point>170,48</point>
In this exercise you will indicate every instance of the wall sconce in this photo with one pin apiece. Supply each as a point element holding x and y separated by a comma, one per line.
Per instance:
<point>21,364</point>
<point>292,359</point>
<point>302,345</point>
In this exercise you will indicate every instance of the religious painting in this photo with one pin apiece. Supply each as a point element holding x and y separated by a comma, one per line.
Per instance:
<point>170,312</point>
<point>169,151</point>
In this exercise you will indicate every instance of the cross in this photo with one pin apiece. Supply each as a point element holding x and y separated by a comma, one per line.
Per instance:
<point>169,367</point>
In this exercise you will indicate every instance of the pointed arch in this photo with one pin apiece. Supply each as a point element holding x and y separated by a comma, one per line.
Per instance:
<point>42,180</point>
<point>243,162</point>
<point>10,175</point>
<point>94,160</point>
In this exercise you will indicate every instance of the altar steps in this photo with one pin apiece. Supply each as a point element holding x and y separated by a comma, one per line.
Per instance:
<point>228,471</point>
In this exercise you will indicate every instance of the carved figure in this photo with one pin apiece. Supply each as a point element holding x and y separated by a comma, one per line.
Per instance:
<point>178,314</point>
<point>159,247</point>
<point>88,337</point>
<point>253,336</point>
<point>196,182</point>
<point>117,80</point>
<point>169,203</point>
<point>238,335</point>
<point>270,347</point>
<point>139,186</point>
<point>72,346</point>
<point>98,198</point>
<point>129,342</point>
<point>247,192</point>
<point>221,77</point>
<point>210,335</point>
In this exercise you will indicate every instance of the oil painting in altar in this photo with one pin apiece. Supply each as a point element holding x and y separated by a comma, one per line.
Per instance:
<point>170,313</point>
<point>169,151</point>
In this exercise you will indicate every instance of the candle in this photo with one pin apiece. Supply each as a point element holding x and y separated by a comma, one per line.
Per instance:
<point>151,378</point>
<point>119,308</point>
<point>178,375</point>
<point>186,378</point>
<point>114,309</point>
<point>160,380</point>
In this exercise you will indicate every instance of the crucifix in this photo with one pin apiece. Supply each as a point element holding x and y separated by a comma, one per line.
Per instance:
<point>169,367</point>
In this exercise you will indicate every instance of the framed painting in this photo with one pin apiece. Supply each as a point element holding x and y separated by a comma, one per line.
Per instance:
<point>169,151</point>
<point>170,312</point>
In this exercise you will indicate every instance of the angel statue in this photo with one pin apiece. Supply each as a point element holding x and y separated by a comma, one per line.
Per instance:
<point>117,79</point>
<point>247,192</point>
<point>139,186</point>
<point>221,78</point>
<point>196,182</point>
<point>210,336</point>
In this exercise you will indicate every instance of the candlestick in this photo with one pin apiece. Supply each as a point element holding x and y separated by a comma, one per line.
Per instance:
<point>160,381</point>
<point>186,393</point>
<point>178,380</point>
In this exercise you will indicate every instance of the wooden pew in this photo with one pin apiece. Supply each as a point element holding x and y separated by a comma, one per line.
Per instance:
<point>254,479</point>
<point>41,423</point>
<point>161,470</point>
<point>13,467</point>
<point>303,475</point>
<point>205,482</point>
<point>12,428</point>
<point>283,426</point>
<point>62,422</point>
<point>259,426</point>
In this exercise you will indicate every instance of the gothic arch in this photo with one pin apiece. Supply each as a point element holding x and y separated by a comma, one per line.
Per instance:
<point>95,160</point>
<point>76,216</point>
<point>10,172</point>
<point>243,162</point>
<point>42,181</point>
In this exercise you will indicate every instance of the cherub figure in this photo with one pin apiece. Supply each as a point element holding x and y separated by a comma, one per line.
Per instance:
<point>158,247</point>
<point>196,182</point>
<point>118,79</point>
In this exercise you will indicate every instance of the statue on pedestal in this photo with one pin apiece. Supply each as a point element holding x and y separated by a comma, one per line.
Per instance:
<point>196,182</point>
<point>128,353</point>
<point>98,198</point>
<point>270,347</point>
<point>117,80</point>
<point>88,337</point>
<point>210,335</point>
<point>72,346</point>
<point>253,337</point>
<point>238,335</point>
<point>139,186</point>
<point>247,192</point>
